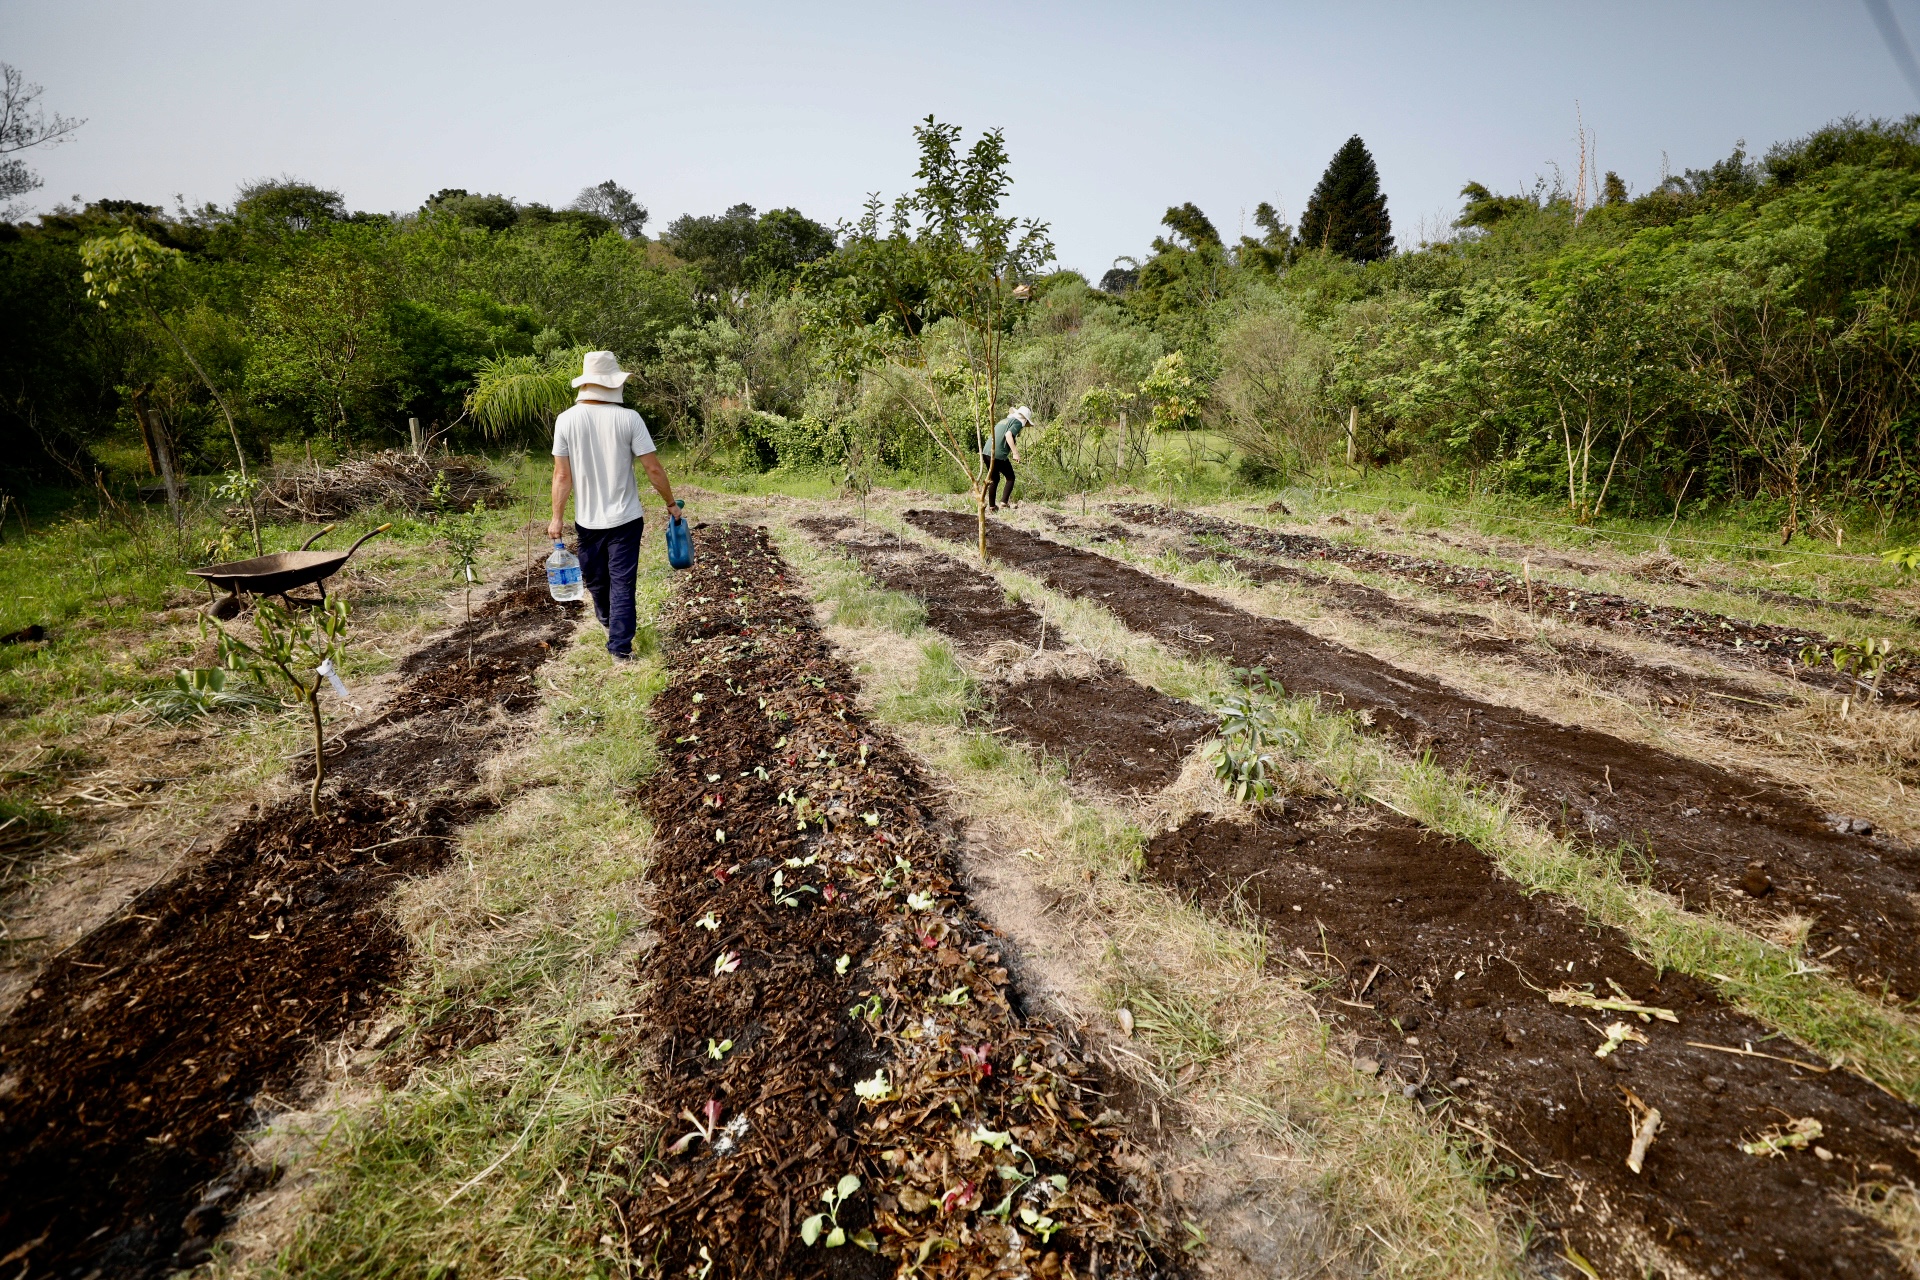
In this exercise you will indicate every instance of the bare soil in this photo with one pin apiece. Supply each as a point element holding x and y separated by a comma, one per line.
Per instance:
<point>143,1049</point>
<point>794,841</point>
<point>1106,727</point>
<point>1699,828</point>
<point>1731,640</point>
<point>1441,969</point>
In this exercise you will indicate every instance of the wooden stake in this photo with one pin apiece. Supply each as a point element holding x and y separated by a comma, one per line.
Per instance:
<point>1353,433</point>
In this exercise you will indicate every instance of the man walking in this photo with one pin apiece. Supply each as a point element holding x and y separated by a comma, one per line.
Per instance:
<point>1006,452</point>
<point>595,444</point>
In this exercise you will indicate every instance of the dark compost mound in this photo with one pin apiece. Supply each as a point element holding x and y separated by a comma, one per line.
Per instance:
<point>1701,826</point>
<point>1462,632</point>
<point>142,1049</point>
<point>1442,968</point>
<point>813,939</point>
<point>1107,727</point>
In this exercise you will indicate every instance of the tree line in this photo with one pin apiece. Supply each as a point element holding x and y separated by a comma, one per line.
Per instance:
<point>1743,333</point>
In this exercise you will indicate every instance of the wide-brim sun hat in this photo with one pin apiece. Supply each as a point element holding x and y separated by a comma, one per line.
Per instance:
<point>602,369</point>
<point>1024,414</point>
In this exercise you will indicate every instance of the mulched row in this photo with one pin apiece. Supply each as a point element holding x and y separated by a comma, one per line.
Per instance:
<point>143,1049</point>
<point>1715,840</point>
<point>1760,645</point>
<point>825,1002</point>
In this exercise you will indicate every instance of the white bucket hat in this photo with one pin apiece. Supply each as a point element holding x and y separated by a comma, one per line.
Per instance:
<point>1024,414</point>
<point>602,369</point>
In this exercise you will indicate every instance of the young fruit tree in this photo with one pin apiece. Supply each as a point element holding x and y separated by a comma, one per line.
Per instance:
<point>949,255</point>
<point>464,535</point>
<point>297,651</point>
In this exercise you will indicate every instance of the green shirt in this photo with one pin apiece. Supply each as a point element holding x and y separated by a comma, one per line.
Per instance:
<point>1003,433</point>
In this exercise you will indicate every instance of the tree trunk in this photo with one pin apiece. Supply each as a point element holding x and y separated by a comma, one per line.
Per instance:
<point>159,452</point>
<point>239,454</point>
<point>319,747</point>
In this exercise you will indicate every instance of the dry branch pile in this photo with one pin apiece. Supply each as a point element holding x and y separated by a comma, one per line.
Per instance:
<point>393,478</point>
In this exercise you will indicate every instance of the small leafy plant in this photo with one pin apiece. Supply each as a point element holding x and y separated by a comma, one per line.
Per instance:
<point>1872,658</point>
<point>835,1198</point>
<point>1249,732</point>
<point>288,642</point>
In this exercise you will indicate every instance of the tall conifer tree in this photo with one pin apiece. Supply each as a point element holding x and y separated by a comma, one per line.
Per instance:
<point>1347,212</point>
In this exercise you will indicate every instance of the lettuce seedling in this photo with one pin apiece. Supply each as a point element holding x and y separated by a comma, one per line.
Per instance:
<point>835,1198</point>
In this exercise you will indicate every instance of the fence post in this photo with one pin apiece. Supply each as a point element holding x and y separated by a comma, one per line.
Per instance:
<point>1353,432</point>
<point>413,429</point>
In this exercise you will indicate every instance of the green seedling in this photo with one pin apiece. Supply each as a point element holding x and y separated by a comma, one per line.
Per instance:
<point>200,692</point>
<point>878,1089</point>
<point>868,1009</point>
<point>920,901</point>
<point>841,966</point>
<point>835,1198</point>
<point>726,962</point>
<point>287,643</point>
<point>718,1049</point>
<point>1039,1224</point>
<point>956,997</point>
<point>708,922</point>
<point>788,897</point>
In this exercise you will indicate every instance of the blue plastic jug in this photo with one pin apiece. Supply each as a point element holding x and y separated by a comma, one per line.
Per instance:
<point>679,540</point>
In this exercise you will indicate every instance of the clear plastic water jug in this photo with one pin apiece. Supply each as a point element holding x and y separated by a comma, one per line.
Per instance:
<point>563,574</point>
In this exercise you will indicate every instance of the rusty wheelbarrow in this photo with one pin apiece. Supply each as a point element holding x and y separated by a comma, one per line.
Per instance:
<point>279,573</point>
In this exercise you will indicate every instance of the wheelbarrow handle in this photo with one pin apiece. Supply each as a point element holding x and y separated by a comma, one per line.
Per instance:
<point>316,537</point>
<point>363,537</point>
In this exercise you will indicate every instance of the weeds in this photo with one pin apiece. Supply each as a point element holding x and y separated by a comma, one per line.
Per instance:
<point>200,692</point>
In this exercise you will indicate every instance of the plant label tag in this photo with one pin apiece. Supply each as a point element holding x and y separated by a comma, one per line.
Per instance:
<point>470,578</point>
<point>333,678</point>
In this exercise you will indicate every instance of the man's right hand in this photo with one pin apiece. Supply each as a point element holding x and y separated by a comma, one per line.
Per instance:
<point>555,528</point>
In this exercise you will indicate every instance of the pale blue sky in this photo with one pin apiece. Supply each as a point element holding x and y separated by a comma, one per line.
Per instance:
<point>1112,112</point>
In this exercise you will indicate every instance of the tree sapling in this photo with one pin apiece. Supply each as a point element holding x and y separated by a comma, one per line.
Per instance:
<point>288,642</point>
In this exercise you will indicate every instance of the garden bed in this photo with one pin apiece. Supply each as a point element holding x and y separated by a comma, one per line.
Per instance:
<point>1734,640</point>
<point>1445,972</point>
<point>822,1002</point>
<point>1700,827</point>
<point>142,1050</point>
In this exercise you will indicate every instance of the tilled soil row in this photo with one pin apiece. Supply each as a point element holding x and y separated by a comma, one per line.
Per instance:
<point>826,1001</point>
<point>1449,965</point>
<point>1466,633</point>
<point>1447,973</point>
<point>143,1049</point>
<point>1715,840</point>
<point>1734,640</point>
<point>1101,724</point>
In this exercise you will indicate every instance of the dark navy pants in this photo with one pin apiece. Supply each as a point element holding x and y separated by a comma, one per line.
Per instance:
<point>609,561</point>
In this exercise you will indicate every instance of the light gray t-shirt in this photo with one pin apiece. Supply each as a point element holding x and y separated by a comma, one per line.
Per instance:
<point>601,441</point>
